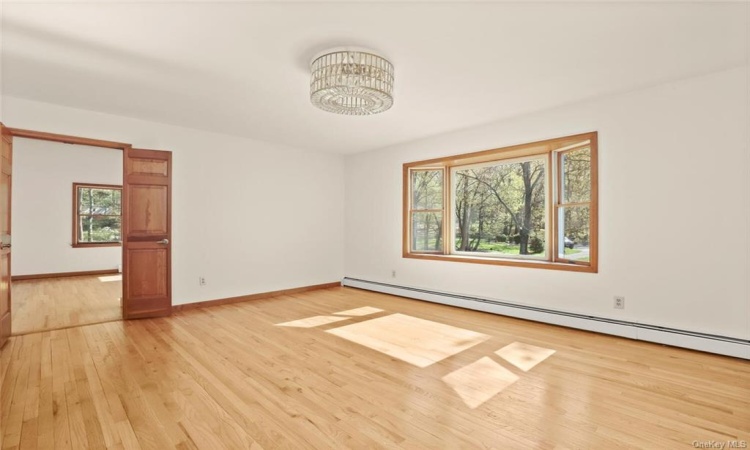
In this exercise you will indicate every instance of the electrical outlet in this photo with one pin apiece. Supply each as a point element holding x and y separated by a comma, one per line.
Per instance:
<point>619,302</point>
<point>393,274</point>
<point>201,281</point>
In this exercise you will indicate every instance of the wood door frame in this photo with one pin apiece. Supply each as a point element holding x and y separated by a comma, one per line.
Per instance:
<point>68,139</point>
<point>6,317</point>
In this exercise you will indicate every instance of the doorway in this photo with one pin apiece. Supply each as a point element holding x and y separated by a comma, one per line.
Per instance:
<point>146,226</point>
<point>66,219</point>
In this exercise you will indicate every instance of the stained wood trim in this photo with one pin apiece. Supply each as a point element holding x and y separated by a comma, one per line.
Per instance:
<point>96,185</point>
<point>97,244</point>
<point>76,215</point>
<point>245,298</point>
<point>551,210</point>
<point>594,205</point>
<point>448,211</point>
<point>65,139</point>
<point>40,276</point>
<point>545,147</point>
<point>520,150</point>
<point>406,235</point>
<point>408,212</point>
<point>532,263</point>
<point>593,202</point>
<point>6,295</point>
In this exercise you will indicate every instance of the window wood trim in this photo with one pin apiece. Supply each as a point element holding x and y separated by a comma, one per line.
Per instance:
<point>552,149</point>
<point>76,215</point>
<point>409,211</point>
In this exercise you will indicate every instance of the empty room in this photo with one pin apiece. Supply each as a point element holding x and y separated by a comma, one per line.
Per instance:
<point>347,225</point>
<point>65,206</point>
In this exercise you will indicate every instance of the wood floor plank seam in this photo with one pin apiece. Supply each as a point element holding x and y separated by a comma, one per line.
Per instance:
<point>60,303</point>
<point>228,377</point>
<point>216,378</point>
<point>66,327</point>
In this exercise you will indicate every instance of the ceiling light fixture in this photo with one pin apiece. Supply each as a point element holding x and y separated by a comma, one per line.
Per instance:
<point>351,82</point>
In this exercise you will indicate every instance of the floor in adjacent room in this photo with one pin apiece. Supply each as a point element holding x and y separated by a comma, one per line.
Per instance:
<point>346,368</point>
<point>53,303</point>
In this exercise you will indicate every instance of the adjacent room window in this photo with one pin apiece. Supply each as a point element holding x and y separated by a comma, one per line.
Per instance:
<point>531,205</point>
<point>96,215</point>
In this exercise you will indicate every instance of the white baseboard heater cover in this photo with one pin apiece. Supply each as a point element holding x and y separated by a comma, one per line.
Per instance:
<point>721,345</point>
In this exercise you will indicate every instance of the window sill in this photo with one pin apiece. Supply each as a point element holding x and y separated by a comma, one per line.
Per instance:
<point>97,244</point>
<point>534,264</point>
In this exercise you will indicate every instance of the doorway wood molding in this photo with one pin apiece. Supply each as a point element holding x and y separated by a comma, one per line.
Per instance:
<point>66,139</point>
<point>6,186</point>
<point>143,170</point>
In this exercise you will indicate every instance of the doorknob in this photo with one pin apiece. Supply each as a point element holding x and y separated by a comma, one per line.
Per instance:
<point>164,241</point>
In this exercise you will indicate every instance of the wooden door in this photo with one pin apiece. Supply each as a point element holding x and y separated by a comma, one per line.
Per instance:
<point>146,234</point>
<point>6,160</point>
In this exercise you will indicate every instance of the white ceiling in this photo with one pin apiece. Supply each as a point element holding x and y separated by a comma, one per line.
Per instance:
<point>242,68</point>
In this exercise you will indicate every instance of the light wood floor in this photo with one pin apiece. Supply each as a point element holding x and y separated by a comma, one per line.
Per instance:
<point>229,377</point>
<point>52,303</point>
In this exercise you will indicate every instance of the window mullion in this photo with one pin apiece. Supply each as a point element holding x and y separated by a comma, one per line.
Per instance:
<point>551,220</point>
<point>447,211</point>
<point>556,209</point>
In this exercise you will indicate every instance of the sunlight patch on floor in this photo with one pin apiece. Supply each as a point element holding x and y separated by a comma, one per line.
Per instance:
<point>363,311</point>
<point>415,341</point>
<point>311,322</point>
<point>479,381</point>
<point>110,278</point>
<point>524,356</point>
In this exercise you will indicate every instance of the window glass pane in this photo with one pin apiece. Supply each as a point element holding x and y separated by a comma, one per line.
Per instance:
<point>427,231</point>
<point>576,173</point>
<point>84,200</point>
<point>500,210</point>
<point>105,201</point>
<point>574,232</point>
<point>98,229</point>
<point>427,189</point>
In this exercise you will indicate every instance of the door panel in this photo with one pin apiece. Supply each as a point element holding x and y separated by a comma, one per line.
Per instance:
<point>148,285</point>
<point>147,234</point>
<point>145,282</point>
<point>6,160</point>
<point>150,167</point>
<point>148,210</point>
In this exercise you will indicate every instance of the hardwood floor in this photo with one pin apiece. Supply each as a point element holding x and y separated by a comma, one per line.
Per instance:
<point>52,303</point>
<point>229,377</point>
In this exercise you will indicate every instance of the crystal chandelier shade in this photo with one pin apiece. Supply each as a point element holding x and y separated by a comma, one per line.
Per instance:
<point>351,83</point>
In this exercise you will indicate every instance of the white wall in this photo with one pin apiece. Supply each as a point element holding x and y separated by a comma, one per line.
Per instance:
<point>674,209</point>
<point>42,205</point>
<point>249,216</point>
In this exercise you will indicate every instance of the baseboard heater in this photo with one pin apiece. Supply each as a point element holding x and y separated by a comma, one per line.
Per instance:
<point>722,345</point>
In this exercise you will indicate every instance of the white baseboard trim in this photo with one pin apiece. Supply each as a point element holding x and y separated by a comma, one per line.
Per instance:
<point>721,345</point>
